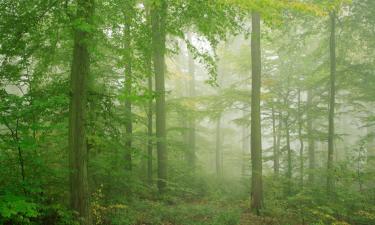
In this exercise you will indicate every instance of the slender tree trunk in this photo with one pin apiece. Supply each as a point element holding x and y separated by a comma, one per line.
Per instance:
<point>276,143</point>
<point>149,133</point>
<point>331,126</point>
<point>20,157</point>
<point>191,134</point>
<point>150,104</point>
<point>149,114</point>
<point>78,155</point>
<point>158,16</point>
<point>218,153</point>
<point>256,139</point>
<point>289,154</point>
<point>311,141</point>
<point>128,87</point>
<point>300,124</point>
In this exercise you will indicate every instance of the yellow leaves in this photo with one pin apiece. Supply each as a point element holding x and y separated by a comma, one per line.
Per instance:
<point>117,206</point>
<point>308,8</point>
<point>366,214</point>
<point>340,223</point>
<point>270,8</point>
<point>98,210</point>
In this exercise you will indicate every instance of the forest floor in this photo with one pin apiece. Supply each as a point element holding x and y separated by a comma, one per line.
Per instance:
<point>251,219</point>
<point>198,213</point>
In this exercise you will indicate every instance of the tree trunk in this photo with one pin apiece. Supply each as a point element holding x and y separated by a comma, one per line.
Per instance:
<point>256,139</point>
<point>311,141</point>
<point>276,143</point>
<point>331,126</point>
<point>149,127</point>
<point>149,106</point>
<point>191,134</point>
<point>300,124</point>
<point>78,155</point>
<point>289,154</point>
<point>158,16</point>
<point>128,87</point>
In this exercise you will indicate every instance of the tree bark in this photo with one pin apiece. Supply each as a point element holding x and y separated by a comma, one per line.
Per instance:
<point>331,126</point>
<point>78,155</point>
<point>158,16</point>
<point>256,139</point>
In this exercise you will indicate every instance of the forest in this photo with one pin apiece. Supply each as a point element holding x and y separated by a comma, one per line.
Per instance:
<point>187,112</point>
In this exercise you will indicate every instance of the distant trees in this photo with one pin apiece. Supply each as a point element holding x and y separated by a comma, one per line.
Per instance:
<point>97,108</point>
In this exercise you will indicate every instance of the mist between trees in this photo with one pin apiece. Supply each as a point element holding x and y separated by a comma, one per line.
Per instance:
<point>193,112</point>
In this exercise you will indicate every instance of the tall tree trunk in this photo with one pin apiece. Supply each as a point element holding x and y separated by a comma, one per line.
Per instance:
<point>331,126</point>
<point>276,143</point>
<point>150,106</point>
<point>78,155</point>
<point>191,67</point>
<point>300,124</point>
<point>158,16</point>
<point>256,139</point>
<point>289,154</point>
<point>218,150</point>
<point>128,86</point>
<point>149,128</point>
<point>310,135</point>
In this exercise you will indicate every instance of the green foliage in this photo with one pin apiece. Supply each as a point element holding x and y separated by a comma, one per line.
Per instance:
<point>19,210</point>
<point>144,212</point>
<point>16,209</point>
<point>35,62</point>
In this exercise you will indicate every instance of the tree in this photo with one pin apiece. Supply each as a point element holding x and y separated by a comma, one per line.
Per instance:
<point>158,21</point>
<point>256,139</point>
<point>80,71</point>
<point>191,134</point>
<point>331,115</point>
<point>300,137</point>
<point>311,141</point>
<point>276,141</point>
<point>128,57</point>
